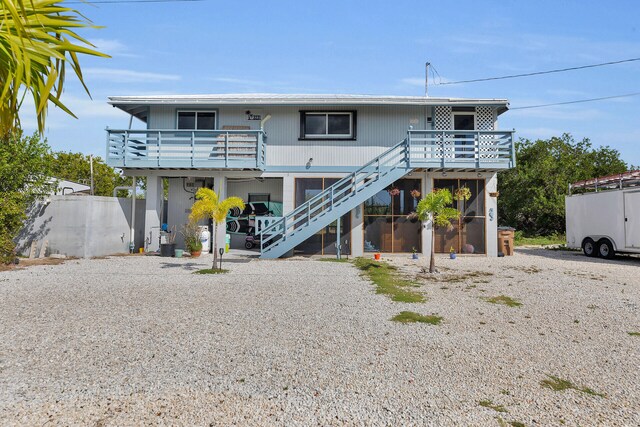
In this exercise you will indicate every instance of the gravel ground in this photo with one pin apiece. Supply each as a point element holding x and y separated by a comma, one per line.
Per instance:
<point>141,340</point>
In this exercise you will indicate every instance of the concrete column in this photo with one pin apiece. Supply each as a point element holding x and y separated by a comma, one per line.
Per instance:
<point>220,187</point>
<point>491,222</point>
<point>153,211</point>
<point>132,234</point>
<point>288,199</point>
<point>288,193</point>
<point>427,229</point>
<point>357,231</point>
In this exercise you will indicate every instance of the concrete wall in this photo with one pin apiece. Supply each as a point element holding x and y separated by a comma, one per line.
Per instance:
<point>82,226</point>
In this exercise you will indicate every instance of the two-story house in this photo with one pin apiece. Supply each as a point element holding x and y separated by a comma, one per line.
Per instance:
<point>320,170</point>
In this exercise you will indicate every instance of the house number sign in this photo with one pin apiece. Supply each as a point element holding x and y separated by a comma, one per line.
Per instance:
<point>254,116</point>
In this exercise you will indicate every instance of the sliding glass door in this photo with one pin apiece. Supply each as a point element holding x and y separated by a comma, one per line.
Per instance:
<point>388,226</point>
<point>324,241</point>
<point>467,234</point>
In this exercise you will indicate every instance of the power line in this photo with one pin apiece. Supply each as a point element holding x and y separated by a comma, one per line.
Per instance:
<point>537,73</point>
<point>577,101</point>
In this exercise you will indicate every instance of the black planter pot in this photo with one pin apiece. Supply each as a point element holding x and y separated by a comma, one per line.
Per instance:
<point>168,249</point>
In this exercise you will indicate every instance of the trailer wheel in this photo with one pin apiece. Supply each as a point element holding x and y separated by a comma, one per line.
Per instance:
<point>248,245</point>
<point>589,247</point>
<point>605,249</point>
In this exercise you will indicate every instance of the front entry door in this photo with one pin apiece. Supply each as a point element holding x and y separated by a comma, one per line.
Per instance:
<point>464,141</point>
<point>632,219</point>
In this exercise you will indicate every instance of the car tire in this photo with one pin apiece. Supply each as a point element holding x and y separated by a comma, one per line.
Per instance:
<point>605,249</point>
<point>589,247</point>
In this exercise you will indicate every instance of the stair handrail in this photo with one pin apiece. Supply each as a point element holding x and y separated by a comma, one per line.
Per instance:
<point>281,224</point>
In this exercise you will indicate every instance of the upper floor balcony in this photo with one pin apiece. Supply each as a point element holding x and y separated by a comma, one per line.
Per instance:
<point>461,149</point>
<point>247,149</point>
<point>186,149</point>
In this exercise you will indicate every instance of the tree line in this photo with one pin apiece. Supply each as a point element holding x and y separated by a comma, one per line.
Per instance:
<point>532,194</point>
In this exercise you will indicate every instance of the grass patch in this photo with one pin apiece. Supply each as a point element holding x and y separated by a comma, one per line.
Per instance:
<point>634,334</point>
<point>558,384</point>
<point>504,300</point>
<point>211,271</point>
<point>504,423</point>
<point>555,239</point>
<point>334,260</point>
<point>489,404</point>
<point>457,277</point>
<point>411,317</point>
<point>388,281</point>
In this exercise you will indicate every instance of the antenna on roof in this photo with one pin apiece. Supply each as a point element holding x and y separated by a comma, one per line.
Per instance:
<point>426,79</point>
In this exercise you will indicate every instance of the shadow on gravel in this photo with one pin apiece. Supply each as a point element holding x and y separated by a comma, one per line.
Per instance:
<point>239,260</point>
<point>580,257</point>
<point>186,266</point>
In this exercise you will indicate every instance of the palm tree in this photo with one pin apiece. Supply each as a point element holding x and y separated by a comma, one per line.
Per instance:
<point>209,206</point>
<point>37,40</point>
<point>436,206</point>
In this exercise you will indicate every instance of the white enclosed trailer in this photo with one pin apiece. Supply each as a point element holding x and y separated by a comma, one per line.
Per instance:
<point>606,218</point>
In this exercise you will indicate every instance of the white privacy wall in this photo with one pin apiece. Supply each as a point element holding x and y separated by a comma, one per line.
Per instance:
<point>82,226</point>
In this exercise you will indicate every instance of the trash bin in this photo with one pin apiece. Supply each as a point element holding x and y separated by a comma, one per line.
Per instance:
<point>506,236</point>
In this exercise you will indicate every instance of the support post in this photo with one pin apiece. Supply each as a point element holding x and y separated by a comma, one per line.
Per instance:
<point>338,238</point>
<point>220,187</point>
<point>357,232</point>
<point>153,212</point>
<point>132,235</point>
<point>427,229</point>
<point>491,221</point>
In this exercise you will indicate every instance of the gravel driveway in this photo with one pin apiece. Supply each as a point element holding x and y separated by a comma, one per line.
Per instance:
<point>142,340</point>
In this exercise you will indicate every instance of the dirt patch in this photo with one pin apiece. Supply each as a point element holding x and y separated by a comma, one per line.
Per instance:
<point>25,262</point>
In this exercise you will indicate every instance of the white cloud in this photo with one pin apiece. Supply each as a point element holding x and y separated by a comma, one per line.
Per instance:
<point>116,75</point>
<point>559,113</point>
<point>113,48</point>
<point>85,109</point>
<point>419,81</point>
<point>234,80</point>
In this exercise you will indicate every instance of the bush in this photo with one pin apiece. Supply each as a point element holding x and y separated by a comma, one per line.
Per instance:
<point>24,176</point>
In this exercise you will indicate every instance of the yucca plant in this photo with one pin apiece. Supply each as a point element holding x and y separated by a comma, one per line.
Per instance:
<point>436,206</point>
<point>37,40</point>
<point>209,206</point>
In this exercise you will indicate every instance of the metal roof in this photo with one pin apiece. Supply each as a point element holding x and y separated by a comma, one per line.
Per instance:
<point>136,105</point>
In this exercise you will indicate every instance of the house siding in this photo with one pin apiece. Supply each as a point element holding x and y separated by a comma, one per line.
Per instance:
<point>378,128</point>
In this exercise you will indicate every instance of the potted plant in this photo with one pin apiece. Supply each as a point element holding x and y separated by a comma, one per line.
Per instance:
<point>191,234</point>
<point>393,191</point>
<point>452,253</point>
<point>414,253</point>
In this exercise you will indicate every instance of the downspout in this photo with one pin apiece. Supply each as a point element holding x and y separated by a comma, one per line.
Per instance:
<point>263,121</point>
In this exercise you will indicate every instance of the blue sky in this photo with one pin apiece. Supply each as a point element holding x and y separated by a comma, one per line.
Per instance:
<point>366,47</point>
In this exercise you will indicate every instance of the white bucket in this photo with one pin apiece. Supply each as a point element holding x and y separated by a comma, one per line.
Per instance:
<point>205,238</point>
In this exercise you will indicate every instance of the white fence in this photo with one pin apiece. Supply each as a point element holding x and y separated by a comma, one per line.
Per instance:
<point>82,226</point>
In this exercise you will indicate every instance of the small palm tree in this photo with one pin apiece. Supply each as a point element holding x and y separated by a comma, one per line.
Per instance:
<point>436,206</point>
<point>209,206</point>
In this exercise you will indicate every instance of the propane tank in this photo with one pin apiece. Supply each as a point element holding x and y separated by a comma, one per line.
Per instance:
<point>205,238</point>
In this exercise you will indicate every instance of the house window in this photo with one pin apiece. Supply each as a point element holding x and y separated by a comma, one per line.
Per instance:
<point>327,125</point>
<point>202,120</point>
